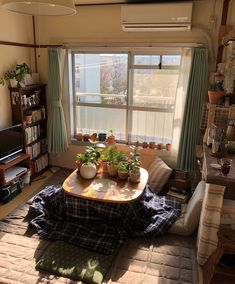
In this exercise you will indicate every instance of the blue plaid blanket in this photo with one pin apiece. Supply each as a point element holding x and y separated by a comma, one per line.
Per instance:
<point>100,226</point>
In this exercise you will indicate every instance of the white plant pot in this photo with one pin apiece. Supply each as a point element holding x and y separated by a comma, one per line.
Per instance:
<point>13,83</point>
<point>88,171</point>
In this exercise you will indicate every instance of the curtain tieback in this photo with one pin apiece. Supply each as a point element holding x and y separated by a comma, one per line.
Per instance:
<point>56,104</point>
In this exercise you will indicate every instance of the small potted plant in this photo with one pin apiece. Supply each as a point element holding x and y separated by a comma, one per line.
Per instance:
<point>123,170</point>
<point>111,137</point>
<point>28,117</point>
<point>216,92</point>
<point>134,165</point>
<point>16,75</point>
<point>102,136</point>
<point>104,160</point>
<point>80,159</point>
<point>121,157</point>
<point>112,161</point>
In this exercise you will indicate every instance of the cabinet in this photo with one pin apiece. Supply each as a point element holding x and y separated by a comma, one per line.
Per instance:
<point>28,106</point>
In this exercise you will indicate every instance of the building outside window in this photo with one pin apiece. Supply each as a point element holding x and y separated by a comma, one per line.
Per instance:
<point>131,93</point>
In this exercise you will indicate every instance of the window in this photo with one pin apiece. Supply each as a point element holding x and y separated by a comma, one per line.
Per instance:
<point>133,94</point>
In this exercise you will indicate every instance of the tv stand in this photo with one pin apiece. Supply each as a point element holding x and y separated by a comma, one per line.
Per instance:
<point>10,159</point>
<point>22,160</point>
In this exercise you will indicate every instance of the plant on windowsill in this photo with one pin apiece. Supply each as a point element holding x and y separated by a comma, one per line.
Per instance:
<point>16,75</point>
<point>215,92</point>
<point>134,165</point>
<point>111,137</point>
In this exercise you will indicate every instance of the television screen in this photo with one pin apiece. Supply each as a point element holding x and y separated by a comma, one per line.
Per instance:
<point>11,141</point>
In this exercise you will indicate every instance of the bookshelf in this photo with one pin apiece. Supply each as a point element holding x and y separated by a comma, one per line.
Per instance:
<point>29,108</point>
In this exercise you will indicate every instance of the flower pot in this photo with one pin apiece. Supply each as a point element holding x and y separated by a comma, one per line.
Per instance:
<point>86,137</point>
<point>104,166</point>
<point>102,136</point>
<point>152,145</point>
<point>78,136</point>
<point>13,83</point>
<point>88,171</point>
<point>111,140</point>
<point>28,119</point>
<point>123,175</point>
<point>145,145</point>
<point>168,146</point>
<point>159,146</point>
<point>134,177</point>
<point>214,96</point>
<point>112,170</point>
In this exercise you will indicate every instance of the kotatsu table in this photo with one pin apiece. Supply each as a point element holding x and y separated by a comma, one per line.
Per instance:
<point>100,214</point>
<point>105,188</point>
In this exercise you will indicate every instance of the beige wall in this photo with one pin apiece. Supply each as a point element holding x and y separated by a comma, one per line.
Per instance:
<point>101,24</point>
<point>14,28</point>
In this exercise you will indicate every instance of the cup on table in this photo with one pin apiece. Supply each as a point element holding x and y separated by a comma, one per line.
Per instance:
<point>215,146</point>
<point>225,166</point>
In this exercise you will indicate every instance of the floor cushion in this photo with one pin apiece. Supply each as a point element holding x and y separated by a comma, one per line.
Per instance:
<point>159,173</point>
<point>189,218</point>
<point>75,263</point>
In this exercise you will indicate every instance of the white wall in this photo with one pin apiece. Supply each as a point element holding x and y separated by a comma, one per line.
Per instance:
<point>14,28</point>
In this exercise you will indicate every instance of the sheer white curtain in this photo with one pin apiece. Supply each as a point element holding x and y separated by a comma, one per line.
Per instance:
<point>185,66</point>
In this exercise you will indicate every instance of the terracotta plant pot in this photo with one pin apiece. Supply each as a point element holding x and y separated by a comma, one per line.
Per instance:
<point>168,146</point>
<point>123,175</point>
<point>88,171</point>
<point>78,136</point>
<point>104,166</point>
<point>78,163</point>
<point>152,145</point>
<point>112,170</point>
<point>214,96</point>
<point>145,145</point>
<point>159,146</point>
<point>134,177</point>
<point>86,137</point>
<point>111,140</point>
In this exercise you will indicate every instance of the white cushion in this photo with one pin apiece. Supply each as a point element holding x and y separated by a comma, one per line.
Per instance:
<point>159,172</point>
<point>189,218</point>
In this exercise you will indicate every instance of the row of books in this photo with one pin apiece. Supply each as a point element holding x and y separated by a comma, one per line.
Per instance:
<point>39,164</point>
<point>38,114</point>
<point>34,150</point>
<point>32,133</point>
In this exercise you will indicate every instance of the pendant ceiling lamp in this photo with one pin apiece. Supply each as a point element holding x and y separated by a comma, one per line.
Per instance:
<point>40,7</point>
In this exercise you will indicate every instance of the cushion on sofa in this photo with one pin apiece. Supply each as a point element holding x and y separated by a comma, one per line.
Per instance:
<point>190,213</point>
<point>159,173</point>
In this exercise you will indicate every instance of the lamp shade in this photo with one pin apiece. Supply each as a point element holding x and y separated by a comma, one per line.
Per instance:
<point>40,7</point>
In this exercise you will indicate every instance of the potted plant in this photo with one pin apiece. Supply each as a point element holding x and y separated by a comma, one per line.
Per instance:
<point>112,161</point>
<point>80,159</point>
<point>215,92</point>
<point>123,170</point>
<point>88,168</point>
<point>16,75</point>
<point>104,160</point>
<point>28,117</point>
<point>111,137</point>
<point>121,157</point>
<point>134,165</point>
<point>102,136</point>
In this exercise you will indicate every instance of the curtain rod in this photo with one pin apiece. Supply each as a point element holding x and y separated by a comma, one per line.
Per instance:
<point>2,42</point>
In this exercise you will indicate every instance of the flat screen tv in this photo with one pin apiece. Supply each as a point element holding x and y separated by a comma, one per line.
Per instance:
<point>11,141</point>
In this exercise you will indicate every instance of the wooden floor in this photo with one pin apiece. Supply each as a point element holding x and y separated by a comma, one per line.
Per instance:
<point>26,193</point>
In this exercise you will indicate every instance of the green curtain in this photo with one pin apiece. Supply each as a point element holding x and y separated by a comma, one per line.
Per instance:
<point>57,134</point>
<point>196,96</point>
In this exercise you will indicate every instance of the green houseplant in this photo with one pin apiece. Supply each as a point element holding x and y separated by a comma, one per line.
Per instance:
<point>18,74</point>
<point>134,165</point>
<point>215,92</point>
<point>112,154</point>
<point>123,170</point>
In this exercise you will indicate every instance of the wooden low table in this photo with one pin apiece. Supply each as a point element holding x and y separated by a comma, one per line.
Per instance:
<point>105,188</point>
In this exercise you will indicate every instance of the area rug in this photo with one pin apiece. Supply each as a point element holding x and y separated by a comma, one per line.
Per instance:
<point>169,259</point>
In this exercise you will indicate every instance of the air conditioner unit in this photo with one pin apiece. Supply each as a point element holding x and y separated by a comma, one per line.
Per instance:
<point>157,17</point>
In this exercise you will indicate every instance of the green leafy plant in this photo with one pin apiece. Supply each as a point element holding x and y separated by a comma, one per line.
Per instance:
<point>91,154</point>
<point>217,86</point>
<point>122,167</point>
<point>121,156</point>
<point>134,164</point>
<point>112,153</point>
<point>18,73</point>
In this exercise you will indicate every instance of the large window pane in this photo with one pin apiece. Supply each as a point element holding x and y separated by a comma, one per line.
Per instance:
<point>101,78</point>
<point>97,119</point>
<point>154,88</point>
<point>151,126</point>
<point>146,59</point>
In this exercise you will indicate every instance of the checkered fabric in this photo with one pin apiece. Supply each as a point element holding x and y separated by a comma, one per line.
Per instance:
<point>100,226</point>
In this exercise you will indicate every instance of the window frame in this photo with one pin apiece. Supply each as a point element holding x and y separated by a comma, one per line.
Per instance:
<point>130,68</point>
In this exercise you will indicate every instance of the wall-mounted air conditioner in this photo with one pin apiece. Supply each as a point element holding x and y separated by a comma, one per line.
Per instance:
<point>157,17</point>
